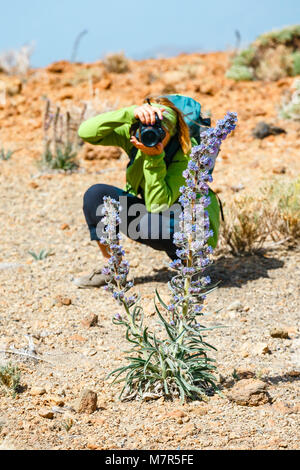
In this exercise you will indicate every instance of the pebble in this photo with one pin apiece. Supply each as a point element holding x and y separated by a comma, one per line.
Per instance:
<point>261,348</point>
<point>176,414</point>
<point>249,392</point>
<point>45,413</point>
<point>63,301</point>
<point>236,305</point>
<point>90,320</point>
<point>87,402</point>
<point>279,333</point>
<point>36,391</point>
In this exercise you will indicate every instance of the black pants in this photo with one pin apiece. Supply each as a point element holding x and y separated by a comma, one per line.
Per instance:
<point>155,230</point>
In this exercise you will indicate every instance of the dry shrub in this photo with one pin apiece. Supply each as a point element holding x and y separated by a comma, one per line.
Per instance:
<point>247,225</point>
<point>271,216</point>
<point>10,378</point>
<point>116,62</point>
<point>16,62</point>
<point>275,64</point>
<point>285,197</point>
<point>291,104</point>
<point>61,140</point>
<point>271,56</point>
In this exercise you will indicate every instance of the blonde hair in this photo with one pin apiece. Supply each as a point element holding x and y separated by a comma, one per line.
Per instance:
<point>182,127</point>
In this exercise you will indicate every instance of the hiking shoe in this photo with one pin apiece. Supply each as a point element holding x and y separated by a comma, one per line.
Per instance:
<point>95,279</point>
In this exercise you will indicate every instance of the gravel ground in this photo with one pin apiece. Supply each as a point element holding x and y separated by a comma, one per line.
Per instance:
<point>256,295</point>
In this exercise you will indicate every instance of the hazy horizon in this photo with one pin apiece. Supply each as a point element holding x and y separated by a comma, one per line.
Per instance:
<point>140,30</point>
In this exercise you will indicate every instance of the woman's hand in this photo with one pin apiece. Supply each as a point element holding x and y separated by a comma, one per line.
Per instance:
<point>157,150</point>
<point>146,113</point>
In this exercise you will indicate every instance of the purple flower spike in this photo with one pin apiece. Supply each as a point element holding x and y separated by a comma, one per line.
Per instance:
<point>192,239</point>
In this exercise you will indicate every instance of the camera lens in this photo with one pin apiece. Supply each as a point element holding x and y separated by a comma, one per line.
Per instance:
<point>150,137</point>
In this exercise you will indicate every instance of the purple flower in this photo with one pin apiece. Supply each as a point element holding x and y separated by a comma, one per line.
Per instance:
<point>192,239</point>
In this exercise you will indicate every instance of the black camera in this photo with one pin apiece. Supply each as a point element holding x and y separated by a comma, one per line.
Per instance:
<point>150,135</point>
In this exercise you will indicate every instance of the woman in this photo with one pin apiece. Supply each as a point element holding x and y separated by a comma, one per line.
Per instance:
<point>152,183</point>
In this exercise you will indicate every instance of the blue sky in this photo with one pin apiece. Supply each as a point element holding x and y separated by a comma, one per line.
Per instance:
<point>141,29</point>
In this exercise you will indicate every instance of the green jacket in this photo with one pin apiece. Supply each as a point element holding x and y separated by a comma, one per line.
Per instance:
<point>160,185</point>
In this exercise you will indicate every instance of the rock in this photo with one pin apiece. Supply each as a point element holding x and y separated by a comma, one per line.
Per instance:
<point>279,171</point>
<point>60,300</point>
<point>56,400</point>
<point>36,391</point>
<point>176,414</point>
<point>92,446</point>
<point>283,408</point>
<point>65,227</point>
<point>294,373</point>
<point>33,185</point>
<point>87,402</point>
<point>105,83</point>
<point>90,320</point>
<point>261,348</point>
<point>279,333</point>
<point>92,152</point>
<point>249,392</point>
<point>200,410</point>
<point>263,130</point>
<point>148,396</point>
<point>188,430</point>
<point>11,86</point>
<point>244,373</point>
<point>60,66</point>
<point>45,413</point>
<point>236,305</point>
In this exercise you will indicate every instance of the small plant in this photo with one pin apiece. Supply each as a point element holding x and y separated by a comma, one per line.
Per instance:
<point>176,363</point>
<point>5,154</point>
<point>61,141</point>
<point>41,255</point>
<point>116,63</point>
<point>67,424</point>
<point>65,159</point>
<point>245,57</point>
<point>240,73</point>
<point>284,196</point>
<point>291,108</point>
<point>10,378</point>
<point>296,63</point>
